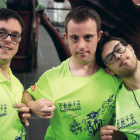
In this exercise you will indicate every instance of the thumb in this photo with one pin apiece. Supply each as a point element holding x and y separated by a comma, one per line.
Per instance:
<point>15,105</point>
<point>50,103</point>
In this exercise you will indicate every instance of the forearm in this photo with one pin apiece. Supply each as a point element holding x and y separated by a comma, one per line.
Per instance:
<point>26,98</point>
<point>42,107</point>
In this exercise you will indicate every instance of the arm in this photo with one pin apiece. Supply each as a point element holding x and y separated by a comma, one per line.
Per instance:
<point>42,107</point>
<point>110,133</point>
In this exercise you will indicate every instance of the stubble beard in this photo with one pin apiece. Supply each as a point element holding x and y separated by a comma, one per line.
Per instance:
<point>128,71</point>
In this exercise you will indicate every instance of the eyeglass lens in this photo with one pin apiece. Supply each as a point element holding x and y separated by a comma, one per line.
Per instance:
<point>119,48</point>
<point>14,37</point>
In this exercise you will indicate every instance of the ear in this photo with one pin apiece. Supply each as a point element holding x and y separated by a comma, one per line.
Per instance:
<point>130,47</point>
<point>65,36</point>
<point>108,71</point>
<point>100,35</point>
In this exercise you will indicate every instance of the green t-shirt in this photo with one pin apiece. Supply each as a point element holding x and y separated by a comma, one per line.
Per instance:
<point>10,93</point>
<point>128,113</point>
<point>83,105</point>
<point>3,4</point>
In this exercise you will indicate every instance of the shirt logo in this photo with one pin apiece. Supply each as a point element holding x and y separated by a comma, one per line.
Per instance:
<point>3,110</point>
<point>33,88</point>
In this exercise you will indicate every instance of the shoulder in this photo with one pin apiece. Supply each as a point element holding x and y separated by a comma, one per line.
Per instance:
<point>114,80</point>
<point>58,71</point>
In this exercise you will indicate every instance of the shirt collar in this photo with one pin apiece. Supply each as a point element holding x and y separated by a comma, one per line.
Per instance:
<point>2,78</point>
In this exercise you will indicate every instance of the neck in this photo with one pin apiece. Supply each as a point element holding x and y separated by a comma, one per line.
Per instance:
<point>82,70</point>
<point>133,82</point>
<point>4,70</point>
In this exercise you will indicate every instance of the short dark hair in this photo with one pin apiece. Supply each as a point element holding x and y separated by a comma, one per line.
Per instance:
<point>105,38</point>
<point>81,14</point>
<point>6,14</point>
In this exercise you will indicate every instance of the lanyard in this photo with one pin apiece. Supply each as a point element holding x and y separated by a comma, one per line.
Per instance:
<point>133,94</point>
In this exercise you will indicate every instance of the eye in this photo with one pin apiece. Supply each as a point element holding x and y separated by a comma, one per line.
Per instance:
<point>2,32</point>
<point>15,36</point>
<point>74,38</point>
<point>110,58</point>
<point>88,37</point>
<point>119,49</point>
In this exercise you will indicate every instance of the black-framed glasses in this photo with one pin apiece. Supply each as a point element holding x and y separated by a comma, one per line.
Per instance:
<point>111,58</point>
<point>14,37</point>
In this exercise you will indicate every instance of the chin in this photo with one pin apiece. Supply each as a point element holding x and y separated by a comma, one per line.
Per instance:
<point>5,60</point>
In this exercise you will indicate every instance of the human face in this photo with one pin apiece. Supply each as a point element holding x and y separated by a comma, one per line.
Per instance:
<point>8,48</point>
<point>82,39</point>
<point>125,64</point>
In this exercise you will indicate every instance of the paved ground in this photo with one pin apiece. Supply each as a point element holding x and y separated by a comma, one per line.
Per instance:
<point>47,58</point>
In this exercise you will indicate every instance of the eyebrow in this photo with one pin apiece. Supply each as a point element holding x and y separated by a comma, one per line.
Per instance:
<point>117,44</point>
<point>3,29</point>
<point>72,35</point>
<point>14,32</point>
<point>90,35</point>
<point>84,35</point>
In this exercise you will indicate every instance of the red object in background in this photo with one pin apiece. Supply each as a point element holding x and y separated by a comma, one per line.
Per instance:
<point>60,45</point>
<point>136,1</point>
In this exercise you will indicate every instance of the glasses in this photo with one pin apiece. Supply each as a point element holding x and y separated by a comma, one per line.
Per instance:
<point>119,48</point>
<point>14,37</point>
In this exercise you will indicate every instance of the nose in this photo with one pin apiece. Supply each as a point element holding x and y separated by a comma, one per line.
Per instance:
<point>118,56</point>
<point>81,44</point>
<point>8,38</point>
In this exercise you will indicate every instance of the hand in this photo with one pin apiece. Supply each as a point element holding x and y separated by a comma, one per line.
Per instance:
<point>24,114</point>
<point>106,132</point>
<point>42,108</point>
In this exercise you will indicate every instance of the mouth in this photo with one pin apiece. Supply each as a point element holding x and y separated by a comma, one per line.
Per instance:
<point>123,61</point>
<point>5,48</point>
<point>82,52</point>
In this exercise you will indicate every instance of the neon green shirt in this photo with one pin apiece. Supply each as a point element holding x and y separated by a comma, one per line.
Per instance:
<point>10,93</point>
<point>3,4</point>
<point>83,105</point>
<point>128,113</point>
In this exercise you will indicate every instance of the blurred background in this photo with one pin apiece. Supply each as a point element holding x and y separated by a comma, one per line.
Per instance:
<point>43,45</point>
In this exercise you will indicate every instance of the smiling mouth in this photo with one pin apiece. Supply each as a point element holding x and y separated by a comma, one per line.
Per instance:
<point>5,48</point>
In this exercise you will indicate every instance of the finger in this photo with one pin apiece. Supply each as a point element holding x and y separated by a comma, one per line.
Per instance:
<point>106,132</point>
<point>48,116</point>
<point>53,107</point>
<point>17,105</point>
<point>26,118</point>
<point>47,102</point>
<point>26,115</point>
<point>23,109</point>
<point>26,122</point>
<point>106,137</point>
<point>43,114</point>
<point>47,109</point>
<point>109,127</point>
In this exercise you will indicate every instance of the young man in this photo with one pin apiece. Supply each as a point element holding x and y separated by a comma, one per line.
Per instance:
<point>118,58</point>
<point>83,93</point>
<point>11,31</point>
